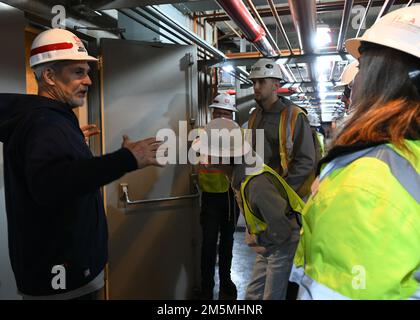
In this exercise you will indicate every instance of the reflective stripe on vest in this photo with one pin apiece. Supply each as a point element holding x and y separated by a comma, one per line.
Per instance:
<point>313,290</point>
<point>286,135</point>
<point>321,142</point>
<point>212,181</point>
<point>400,167</point>
<point>256,225</point>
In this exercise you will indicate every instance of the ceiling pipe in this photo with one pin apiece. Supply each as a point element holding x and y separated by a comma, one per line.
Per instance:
<point>155,12</point>
<point>262,24</point>
<point>364,17</point>
<point>40,9</point>
<point>304,19</point>
<point>385,8</point>
<point>128,14</point>
<point>238,13</point>
<point>348,5</point>
<point>284,10</point>
<point>280,25</point>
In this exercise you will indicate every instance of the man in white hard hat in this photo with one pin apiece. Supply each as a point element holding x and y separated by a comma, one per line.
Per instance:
<point>289,142</point>
<point>268,203</point>
<point>56,222</point>
<point>219,215</point>
<point>289,145</point>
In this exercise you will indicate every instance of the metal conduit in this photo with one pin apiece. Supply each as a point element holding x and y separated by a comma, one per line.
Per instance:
<point>238,13</point>
<point>155,12</point>
<point>344,24</point>
<point>262,24</point>
<point>280,25</point>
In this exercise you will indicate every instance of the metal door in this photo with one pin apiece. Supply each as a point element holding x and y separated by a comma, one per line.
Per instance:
<point>152,246</point>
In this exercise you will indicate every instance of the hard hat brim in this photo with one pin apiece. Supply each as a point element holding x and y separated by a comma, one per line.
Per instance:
<point>353,45</point>
<point>340,86</point>
<point>265,77</point>
<point>64,58</point>
<point>220,106</point>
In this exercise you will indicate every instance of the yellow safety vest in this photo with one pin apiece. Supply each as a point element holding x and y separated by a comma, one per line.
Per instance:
<point>212,181</point>
<point>256,225</point>
<point>361,238</point>
<point>321,142</point>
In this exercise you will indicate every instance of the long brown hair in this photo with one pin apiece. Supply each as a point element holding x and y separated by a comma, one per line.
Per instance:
<point>386,101</point>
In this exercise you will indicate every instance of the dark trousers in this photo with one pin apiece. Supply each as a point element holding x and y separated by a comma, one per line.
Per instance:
<point>219,214</point>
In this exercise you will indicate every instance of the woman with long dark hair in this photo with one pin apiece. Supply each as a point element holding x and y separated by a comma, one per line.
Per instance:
<point>361,226</point>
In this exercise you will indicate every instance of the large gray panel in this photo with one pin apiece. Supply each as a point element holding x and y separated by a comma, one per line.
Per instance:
<point>12,79</point>
<point>152,252</point>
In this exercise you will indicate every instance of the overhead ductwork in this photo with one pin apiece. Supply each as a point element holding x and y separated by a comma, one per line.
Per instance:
<point>98,26</point>
<point>238,13</point>
<point>304,19</point>
<point>348,5</point>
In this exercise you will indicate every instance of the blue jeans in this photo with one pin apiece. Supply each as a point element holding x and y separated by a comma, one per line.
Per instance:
<point>271,273</point>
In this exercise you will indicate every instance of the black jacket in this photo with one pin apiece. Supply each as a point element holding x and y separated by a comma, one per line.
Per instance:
<point>55,212</point>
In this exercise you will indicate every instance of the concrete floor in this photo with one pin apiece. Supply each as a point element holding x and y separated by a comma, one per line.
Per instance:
<point>242,264</point>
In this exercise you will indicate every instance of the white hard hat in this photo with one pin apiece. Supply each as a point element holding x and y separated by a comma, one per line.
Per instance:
<point>348,75</point>
<point>223,101</point>
<point>399,29</point>
<point>266,68</point>
<point>57,44</point>
<point>215,133</point>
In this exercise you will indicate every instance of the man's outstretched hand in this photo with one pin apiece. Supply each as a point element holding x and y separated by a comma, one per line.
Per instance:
<point>143,150</point>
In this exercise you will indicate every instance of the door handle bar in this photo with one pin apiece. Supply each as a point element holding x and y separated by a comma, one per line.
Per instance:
<point>126,198</point>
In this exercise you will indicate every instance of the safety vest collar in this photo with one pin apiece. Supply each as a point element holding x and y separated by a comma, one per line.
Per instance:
<point>402,169</point>
<point>342,150</point>
<point>256,225</point>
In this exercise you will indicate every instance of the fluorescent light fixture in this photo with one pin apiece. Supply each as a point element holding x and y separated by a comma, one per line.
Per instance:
<point>228,68</point>
<point>323,66</point>
<point>323,36</point>
<point>282,60</point>
<point>330,101</point>
<point>322,95</point>
<point>97,12</point>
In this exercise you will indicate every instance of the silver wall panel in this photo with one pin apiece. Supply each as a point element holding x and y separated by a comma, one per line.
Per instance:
<point>154,251</point>
<point>12,79</point>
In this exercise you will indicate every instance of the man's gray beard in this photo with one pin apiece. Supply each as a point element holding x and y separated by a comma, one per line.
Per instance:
<point>73,104</point>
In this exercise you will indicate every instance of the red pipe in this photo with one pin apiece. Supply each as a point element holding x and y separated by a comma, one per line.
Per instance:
<point>238,12</point>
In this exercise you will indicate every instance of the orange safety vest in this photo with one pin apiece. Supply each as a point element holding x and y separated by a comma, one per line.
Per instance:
<point>287,125</point>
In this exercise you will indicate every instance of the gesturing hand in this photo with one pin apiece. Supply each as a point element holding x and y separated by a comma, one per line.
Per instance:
<point>143,150</point>
<point>90,130</point>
